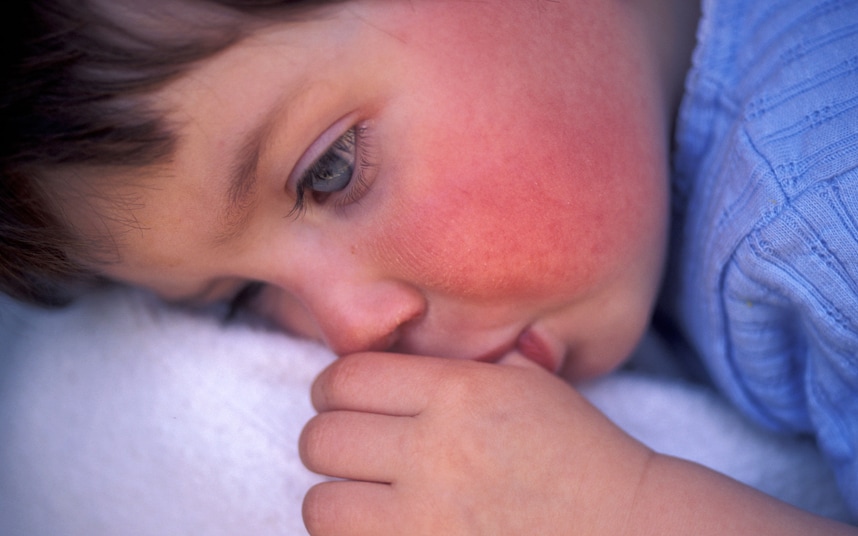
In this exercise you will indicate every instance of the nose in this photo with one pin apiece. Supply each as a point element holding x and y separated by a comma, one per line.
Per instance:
<point>369,316</point>
<point>343,307</point>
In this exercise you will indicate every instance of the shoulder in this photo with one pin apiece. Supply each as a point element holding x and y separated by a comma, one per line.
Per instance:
<point>768,130</point>
<point>776,78</point>
<point>765,275</point>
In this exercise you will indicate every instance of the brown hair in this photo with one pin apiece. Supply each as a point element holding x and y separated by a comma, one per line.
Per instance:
<point>75,75</point>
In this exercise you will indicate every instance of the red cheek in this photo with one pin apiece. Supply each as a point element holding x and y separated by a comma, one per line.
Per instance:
<point>508,230</point>
<point>519,189</point>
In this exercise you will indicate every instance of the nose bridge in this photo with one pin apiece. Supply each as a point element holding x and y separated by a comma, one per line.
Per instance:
<point>356,306</point>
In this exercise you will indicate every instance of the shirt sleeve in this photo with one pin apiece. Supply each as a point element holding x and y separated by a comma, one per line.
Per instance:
<point>790,302</point>
<point>763,277</point>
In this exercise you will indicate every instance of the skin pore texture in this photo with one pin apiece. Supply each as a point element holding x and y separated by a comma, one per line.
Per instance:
<point>508,204</point>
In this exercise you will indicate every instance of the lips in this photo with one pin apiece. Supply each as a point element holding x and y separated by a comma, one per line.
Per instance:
<point>536,348</point>
<point>533,347</point>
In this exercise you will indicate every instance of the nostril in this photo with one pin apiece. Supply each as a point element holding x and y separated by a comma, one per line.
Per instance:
<point>386,343</point>
<point>343,346</point>
<point>379,325</point>
<point>385,340</point>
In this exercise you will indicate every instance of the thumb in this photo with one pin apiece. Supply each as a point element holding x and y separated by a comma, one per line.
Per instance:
<point>516,359</point>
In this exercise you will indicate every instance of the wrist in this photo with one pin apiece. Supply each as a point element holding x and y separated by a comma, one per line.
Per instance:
<point>680,497</point>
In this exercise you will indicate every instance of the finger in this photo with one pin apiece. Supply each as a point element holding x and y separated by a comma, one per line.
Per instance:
<point>516,359</point>
<point>371,382</point>
<point>356,446</point>
<point>391,384</point>
<point>350,509</point>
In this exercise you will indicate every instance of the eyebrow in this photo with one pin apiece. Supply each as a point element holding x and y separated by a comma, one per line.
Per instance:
<point>242,192</point>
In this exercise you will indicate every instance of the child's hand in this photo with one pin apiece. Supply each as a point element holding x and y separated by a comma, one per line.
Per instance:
<point>438,446</point>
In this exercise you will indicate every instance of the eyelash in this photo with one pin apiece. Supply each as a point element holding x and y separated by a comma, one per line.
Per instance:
<point>358,182</point>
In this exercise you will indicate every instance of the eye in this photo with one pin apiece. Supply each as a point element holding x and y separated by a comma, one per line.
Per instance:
<point>332,172</point>
<point>243,299</point>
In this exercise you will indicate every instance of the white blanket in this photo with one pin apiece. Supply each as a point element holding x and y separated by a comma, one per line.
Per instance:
<point>120,416</point>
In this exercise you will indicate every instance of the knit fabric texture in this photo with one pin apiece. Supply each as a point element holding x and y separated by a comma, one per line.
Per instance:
<point>764,274</point>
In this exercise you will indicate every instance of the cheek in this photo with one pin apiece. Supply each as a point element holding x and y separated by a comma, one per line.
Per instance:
<point>532,219</point>
<point>516,178</point>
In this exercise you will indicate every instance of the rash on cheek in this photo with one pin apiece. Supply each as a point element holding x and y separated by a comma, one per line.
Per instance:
<point>517,188</point>
<point>516,213</point>
<point>485,242</point>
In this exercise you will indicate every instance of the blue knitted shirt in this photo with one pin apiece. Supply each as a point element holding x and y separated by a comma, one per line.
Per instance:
<point>764,274</point>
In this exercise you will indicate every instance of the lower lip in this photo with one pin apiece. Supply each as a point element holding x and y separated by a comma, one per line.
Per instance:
<point>534,348</point>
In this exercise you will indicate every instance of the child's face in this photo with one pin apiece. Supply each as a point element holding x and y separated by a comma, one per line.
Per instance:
<point>510,181</point>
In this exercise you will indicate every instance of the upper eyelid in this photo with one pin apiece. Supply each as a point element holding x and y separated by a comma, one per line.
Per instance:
<point>320,146</point>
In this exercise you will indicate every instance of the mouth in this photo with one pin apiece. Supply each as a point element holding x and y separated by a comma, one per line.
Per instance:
<point>533,346</point>
<point>536,348</point>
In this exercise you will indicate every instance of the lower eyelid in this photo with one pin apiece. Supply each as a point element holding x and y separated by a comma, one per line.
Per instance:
<point>365,170</point>
<point>357,189</point>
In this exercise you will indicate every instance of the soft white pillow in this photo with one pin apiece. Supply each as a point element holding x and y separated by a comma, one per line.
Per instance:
<point>122,416</point>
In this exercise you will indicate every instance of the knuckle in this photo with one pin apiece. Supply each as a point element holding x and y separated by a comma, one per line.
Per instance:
<point>459,389</point>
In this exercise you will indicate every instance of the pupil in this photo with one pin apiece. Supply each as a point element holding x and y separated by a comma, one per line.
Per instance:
<point>330,168</point>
